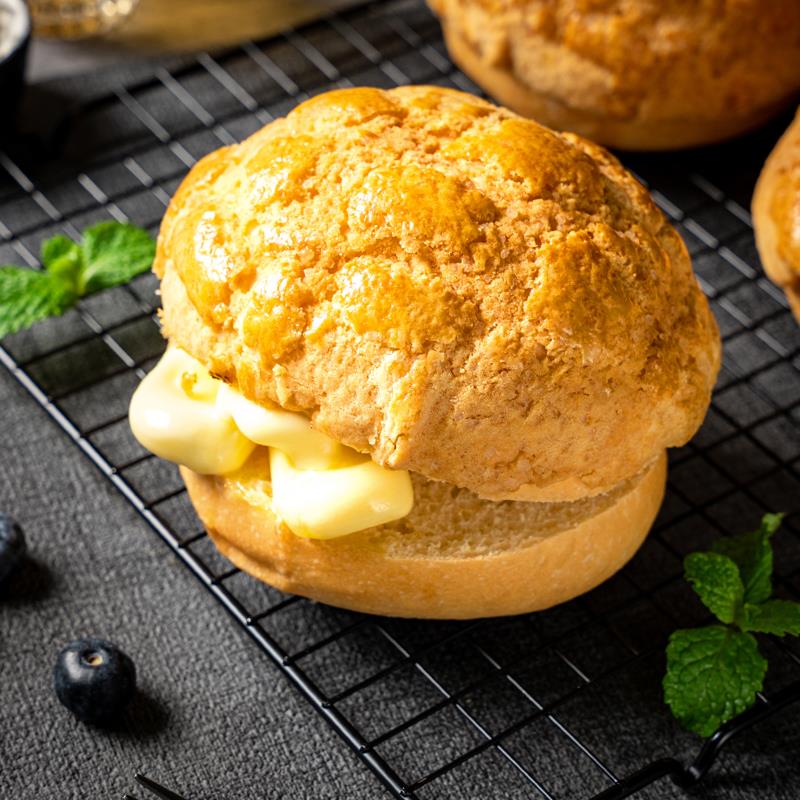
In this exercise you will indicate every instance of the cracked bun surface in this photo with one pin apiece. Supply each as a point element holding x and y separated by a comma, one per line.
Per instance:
<point>634,74</point>
<point>776,214</point>
<point>446,286</point>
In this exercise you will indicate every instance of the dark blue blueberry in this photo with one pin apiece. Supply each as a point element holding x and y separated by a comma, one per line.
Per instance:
<point>12,545</point>
<point>94,679</point>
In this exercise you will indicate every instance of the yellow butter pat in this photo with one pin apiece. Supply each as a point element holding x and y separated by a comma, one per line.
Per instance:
<point>174,413</point>
<point>323,504</point>
<point>272,426</point>
<point>320,488</point>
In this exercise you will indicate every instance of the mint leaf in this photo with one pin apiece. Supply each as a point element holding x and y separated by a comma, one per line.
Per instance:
<point>109,254</point>
<point>113,253</point>
<point>778,617</point>
<point>26,296</point>
<point>716,580</point>
<point>752,554</point>
<point>713,674</point>
<point>771,522</point>
<point>62,257</point>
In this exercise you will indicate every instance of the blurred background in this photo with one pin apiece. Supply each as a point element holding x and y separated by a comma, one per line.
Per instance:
<point>73,36</point>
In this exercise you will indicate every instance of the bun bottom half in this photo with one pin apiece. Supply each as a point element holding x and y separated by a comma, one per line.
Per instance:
<point>454,557</point>
<point>631,134</point>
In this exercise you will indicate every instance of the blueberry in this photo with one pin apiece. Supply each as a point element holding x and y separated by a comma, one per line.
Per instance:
<point>12,545</point>
<point>94,679</point>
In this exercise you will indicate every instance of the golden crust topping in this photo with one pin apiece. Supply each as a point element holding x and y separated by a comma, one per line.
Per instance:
<point>776,214</point>
<point>785,205</point>
<point>640,59</point>
<point>456,290</point>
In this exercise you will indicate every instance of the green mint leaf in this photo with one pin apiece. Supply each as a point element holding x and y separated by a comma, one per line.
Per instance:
<point>771,522</point>
<point>26,296</point>
<point>713,674</point>
<point>716,580</point>
<point>113,253</point>
<point>752,554</point>
<point>62,257</point>
<point>110,253</point>
<point>778,617</point>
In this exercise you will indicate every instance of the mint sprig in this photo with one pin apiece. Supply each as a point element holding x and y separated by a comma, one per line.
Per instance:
<point>714,672</point>
<point>109,254</point>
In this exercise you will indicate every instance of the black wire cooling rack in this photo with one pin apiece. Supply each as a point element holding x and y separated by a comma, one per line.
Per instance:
<point>560,704</point>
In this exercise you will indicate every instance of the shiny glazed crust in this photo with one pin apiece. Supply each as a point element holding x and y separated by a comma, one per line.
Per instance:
<point>776,214</point>
<point>454,557</point>
<point>444,285</point>
<point>633,74</point>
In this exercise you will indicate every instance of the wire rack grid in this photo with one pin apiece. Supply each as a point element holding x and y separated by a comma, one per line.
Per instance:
<point>561,704</point>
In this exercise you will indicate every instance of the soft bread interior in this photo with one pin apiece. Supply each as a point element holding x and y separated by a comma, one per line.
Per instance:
<point>454,556</point>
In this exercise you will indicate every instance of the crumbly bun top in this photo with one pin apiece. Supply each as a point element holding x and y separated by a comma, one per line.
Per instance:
<point>444,285</point>
<point>641,59</point>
